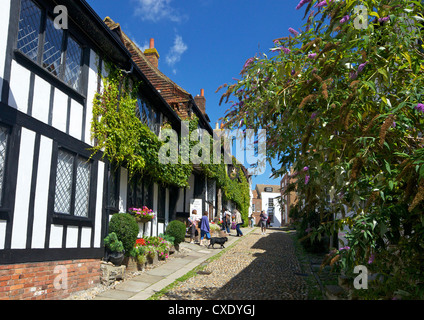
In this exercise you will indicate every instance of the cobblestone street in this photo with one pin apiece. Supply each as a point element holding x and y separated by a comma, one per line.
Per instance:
<point>258,267</point>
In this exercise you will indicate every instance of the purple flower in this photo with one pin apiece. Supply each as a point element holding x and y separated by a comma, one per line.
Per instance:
<point>286,50</point>
<point>248,62</point>
<point>302,3</point>
<point>353,75</point>
<point>420,107</point>
<point>344,19</point>
<point>307,179</point>
<point>322,4</point>
<point>384,19</point>
<point>314,115</point>
<point>305,168</point>
<point>312,55</point>
<point>293,72</point>
<point>345,248</point>
<point>371,259</point>
<point>394,124</point>
<point>294,32</point>
<point>362,66</point>
<point>308,230</point>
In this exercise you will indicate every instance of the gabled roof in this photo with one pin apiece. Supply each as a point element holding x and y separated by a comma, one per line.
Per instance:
<point>172,93</point>
<point>261,188</point>
<point>169,90</point>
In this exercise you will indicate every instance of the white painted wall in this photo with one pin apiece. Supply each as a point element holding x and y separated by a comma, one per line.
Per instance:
<point>41,193</point>
<point>99,206</point>
<point>277,209</point>
<point>19,86</point>
<point>23,188</point>
<point>41,101</point>
<point>4,25</point>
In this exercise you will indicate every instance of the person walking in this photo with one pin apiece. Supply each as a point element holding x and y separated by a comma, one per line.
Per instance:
<point>227,220</point>
<point>239,222</point>
<point>263,221</point>
<point>192,226</point>
<point>204,228</point>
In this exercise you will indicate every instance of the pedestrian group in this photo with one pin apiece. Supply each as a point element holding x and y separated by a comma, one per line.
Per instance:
<point>228,221</point>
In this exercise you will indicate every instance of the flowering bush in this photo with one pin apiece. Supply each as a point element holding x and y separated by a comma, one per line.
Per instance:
<point>347,103</point>
<point>150,247</point>
<point>143,214</point>
<point>214,227</point>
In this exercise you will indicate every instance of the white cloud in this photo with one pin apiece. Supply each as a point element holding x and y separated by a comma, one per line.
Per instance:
<point>156,10</point>
<point>175,53</point>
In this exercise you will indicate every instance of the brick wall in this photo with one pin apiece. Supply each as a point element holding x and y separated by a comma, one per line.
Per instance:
<point>47,280</point>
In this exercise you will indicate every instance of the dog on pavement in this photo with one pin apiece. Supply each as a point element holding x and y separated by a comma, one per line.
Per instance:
<point>220,241</point>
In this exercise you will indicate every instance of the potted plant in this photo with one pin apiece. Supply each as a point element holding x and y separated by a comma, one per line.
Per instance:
<point>151,254</point>
<point>142,215</point>
<point>115,252</point>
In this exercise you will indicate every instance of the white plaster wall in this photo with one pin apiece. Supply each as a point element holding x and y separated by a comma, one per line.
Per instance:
<point>3,224</point>
<point>41,193</point>
<point>86,237</point>
<point>99,205</point>
<point>71,237</point>
<point>123,190</point>
<point>60,110</point>
<point>19,86</point>
<point>41,101</point>
<point>56,233</point>
<point>23,188</point>
<point>277,208</point>
<point>92,89</point>
<point>75,123</point>
<point>4,25</point>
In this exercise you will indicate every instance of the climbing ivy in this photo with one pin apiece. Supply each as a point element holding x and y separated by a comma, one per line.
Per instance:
<point>124,139</point>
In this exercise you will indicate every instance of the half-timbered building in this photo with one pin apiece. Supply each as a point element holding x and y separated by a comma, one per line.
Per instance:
<point>55,199</point>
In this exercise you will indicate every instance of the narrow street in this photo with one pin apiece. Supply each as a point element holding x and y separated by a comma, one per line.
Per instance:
<point>258,267</point>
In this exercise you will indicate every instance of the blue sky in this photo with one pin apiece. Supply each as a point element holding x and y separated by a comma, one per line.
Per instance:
<point>205,43</point>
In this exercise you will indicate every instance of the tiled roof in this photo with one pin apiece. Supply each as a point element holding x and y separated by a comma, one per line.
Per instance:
<point>169,90</point>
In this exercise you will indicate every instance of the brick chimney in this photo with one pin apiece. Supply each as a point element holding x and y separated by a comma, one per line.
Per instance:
<point>201,101</point>
<point>152,54</point>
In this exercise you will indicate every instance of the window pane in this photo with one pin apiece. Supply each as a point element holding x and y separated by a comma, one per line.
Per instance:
<point>3,145</point>
<point>65,167</point>
<point>82,188</point>
<point>112,202</point>
<point>73,64</point>
<point>29,29</point>
<point>52,56</point>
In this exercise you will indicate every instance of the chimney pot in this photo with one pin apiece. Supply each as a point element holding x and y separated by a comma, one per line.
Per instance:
<point>202,92</point>
<point>152,54</point>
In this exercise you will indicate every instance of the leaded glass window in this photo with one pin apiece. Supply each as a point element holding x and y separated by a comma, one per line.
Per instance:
<point>148,115</point>
<point>3,146</point>
<point>113,187</point>
<point>29,29</point>
<point>73,64</point>
<point>52,53</point>
<point>82,188</point>
<point>72,184</point>
<point>60,53</point>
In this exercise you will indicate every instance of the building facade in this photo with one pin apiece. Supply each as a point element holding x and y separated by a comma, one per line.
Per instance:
<point>56,198</point>
<point>267,198</point>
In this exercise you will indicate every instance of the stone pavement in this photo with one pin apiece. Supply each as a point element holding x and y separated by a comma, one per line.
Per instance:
<point>144,286</point>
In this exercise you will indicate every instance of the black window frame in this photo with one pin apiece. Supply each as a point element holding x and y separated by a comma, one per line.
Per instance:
<point>37,67</point>
<point>161,216</point>
<point>3,199</point>
<point>140,193</point>
<point>155,116</point>
<point>112,171</point>
<point>71,219</point>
